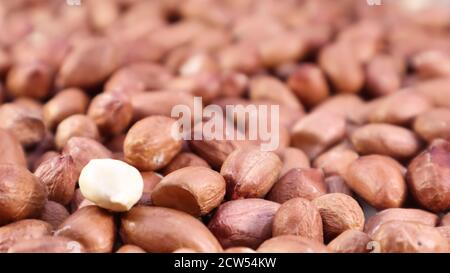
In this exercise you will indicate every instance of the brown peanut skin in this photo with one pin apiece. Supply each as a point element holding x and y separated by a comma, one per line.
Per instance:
<point>130,249</point>
<point>382,75</point>
<point>337,184</point>
<point>92,226</point>
<point>335,161</point>
<point>149,144</point>
<point>22,230</point>
<point>54,213</point>
<point>184,159</point>
<point>244,222</point>
<point>157,229</point>
<point>75,126</point>
<point>339,212</point>
<point>292,244</point>
<point>11,152</point>
<point>194,190</point>
<point>305,183</point>
<point>300,217</point>
<point>48,244</point>
<point>433,124</point>
<point>435,90</point>
<point>24,196</point>
<point>409,237</point>
<point>428,176</point>
<point>30,79</point>
<point>293,158</point>
<point>378,180</point>
<point>350,241</point>
<point>151,179</point>
<point>432,63</point>
<point>250,173</point>
<point>399,214</point>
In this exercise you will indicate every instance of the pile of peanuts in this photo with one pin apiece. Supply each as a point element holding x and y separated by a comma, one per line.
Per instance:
<point>88,161</point>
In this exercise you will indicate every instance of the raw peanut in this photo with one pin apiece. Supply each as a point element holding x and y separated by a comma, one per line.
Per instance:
<point>111,184</point>
<point>22,230</point>
<point>335,56</point>
<point>82,150</point>
<point>309,84</point>
<point>11,152</point>
<point>23,124</point>
<point>151,144</point>
<point>382,75</point>
<point>79,201</point>
<point>88,64</point>
<point>30,79</point>
<point>445,220</point>
<point>408,237</point>
<point>198,63</point>
<point>156,229</point>
<point>339,212</point>
<point>378,180</point>
<point>350,241</point>
<point>205,85</point>
<point>54,214</point>
<point>151,179</point>
<point>59,175</point>
<point>245,222</point>
<point>317,131</point>
<point>194,190</point>
<point>304,183</point>
<point>183,160</point>
<point>399,214</point>
<point>75,126</point>
<point>433,124</point>
<point>429,176</point>
<point>431,63</point>
<point>335,161</point>
<point>292,244</point>
<point>241,57</point>
<point>385,139</point>
<point>399,108</point>
<point>92,226</point>
<point>284,47</point>
<point>350,106</point>
<point>103,13</point>
<point>233,84</point>
<point>445,232</point>
<point>271,89</point>
<point>293,158</point>
<point>159,103</point>
<point>23,195</point>
<point>47,244</point>
<point>435,90</point>
<point>130,249</point>
<point>300,217</point>
<point>239,250</point>
<point>250,173</point>
<point>42,158</point>
<point>34,107</point>
<point>337,184</point>
<point>111,112</point>
<point>64,104</point>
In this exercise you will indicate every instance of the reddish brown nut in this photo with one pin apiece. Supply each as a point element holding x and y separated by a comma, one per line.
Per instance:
<point>11,152</point>
<point>339,212</point>
<point>42,158</point>
<point>445,232</point>
<point>75,126</point>
<point>317,131</point>
<point>102,14</point>
<point>399,108</point>
<point>47,244</point>
<point>432,63</point>
<point>337,184</point>
<point>300,217</point>
<point>242,57</point>
<point>335,161</point>
<point>284,47</point>
<point>445,220</point>
<point>31,79</point>
<point>184,160</point>
<point>54,214</point>
<point>206,85</point>
<point>309,84</point>
<point>59,175</point>
<point>111,112</point>
<point>350,106</point>
<point>382,75</point>
<point>151,179</point>
<point>234,84</point>
<point>239,250</point>
<point>428,176</point>
<point>293,158</point>
<point>194,190</point>
<point>28,128</point>
<point>151,144</point>
<point>292,244</point>
<point>399,214</point>
<point>185,250</point>
<point>250,173</point>
<point>22,230</point>
<point>79,201</point>
<point>335,56</point>
<point>147,227</point>
<point>435,90</point>
<point>88,64</point>
<point>409,237</point>
<point>245,222</point>
<point>64,104</point>
<point>433,124</point>
<point>385,139</point>
<point>350,241</point>
<point>378,180</point>
<point>92,226</point>
<point>305,183</point>
<point>82,150</point>
<point>23,195</point>
<point>130,249</point>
